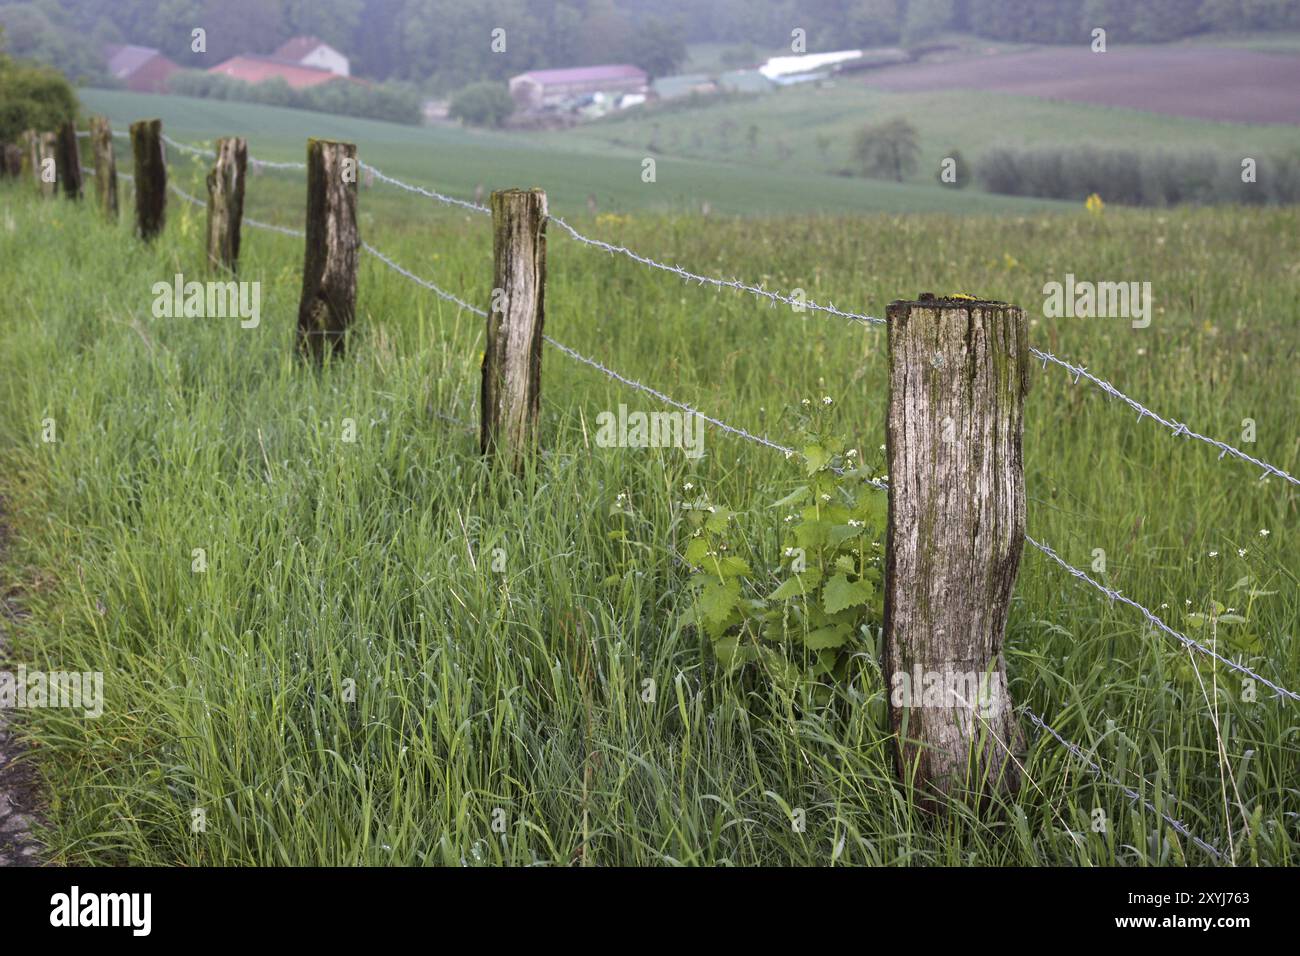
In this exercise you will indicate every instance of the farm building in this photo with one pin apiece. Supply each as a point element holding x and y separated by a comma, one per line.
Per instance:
<point>538,88</point>
<point>705,84</point>
<point>257,69</point>
<point>142,69</point>
<point>310,51</point>
<point>684,84</point>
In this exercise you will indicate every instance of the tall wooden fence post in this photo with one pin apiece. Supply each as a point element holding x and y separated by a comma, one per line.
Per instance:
<point>329,272</point>
<point>150,177</point>
<point>512,360</point>
<point>47,148</point>
<point>68,160</point>
<point>11,160</point>
<point>226,202</point>
<point>957,382</point>
<point>28,142</point>
<point>101,145</point>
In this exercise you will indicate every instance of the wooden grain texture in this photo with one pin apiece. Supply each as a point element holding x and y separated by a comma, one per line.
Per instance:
<point>329,273</point>
<point>68,160</point>
<point>958,379</point>
<point>511,389</point>
<point>150,178</point>
<point>226,202</point>
<point>101,146</point>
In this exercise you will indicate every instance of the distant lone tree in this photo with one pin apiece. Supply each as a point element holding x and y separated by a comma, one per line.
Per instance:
<point>887,150</point>
<point>482,104</point>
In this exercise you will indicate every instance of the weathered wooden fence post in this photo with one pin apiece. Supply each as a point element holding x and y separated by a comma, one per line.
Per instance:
<point>47,147</point>
<point>957,382</point>
<point>226,201</point>
<point>29,143</point>
<point>512,360</point>
<point>12,160</point>
<point>150,177</point>
<point>101,144</point>
<point>329,272</point>
<point>68,160</point>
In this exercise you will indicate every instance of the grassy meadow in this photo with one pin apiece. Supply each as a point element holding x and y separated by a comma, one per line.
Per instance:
<point>499,715</point>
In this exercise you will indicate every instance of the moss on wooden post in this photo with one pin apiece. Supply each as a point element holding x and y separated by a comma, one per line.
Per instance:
<point>957,383</point>
<point>150,177</point>
<point>226,202</point>
<point>512,359</point>
<point>329,272</point>
<point>68,160</point>
<point>101,145</point>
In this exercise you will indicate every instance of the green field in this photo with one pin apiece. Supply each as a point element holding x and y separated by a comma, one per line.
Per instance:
<point>516,695</point>
<point>790,121</point>
<point>456,161</point>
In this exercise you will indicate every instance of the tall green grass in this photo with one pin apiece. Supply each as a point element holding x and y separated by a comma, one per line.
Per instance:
<point>517,698</point>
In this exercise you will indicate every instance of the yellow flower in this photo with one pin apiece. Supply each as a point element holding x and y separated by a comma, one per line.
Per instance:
<point>1094,204</point>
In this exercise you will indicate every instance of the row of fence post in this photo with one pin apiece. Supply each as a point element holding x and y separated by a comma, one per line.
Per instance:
<point>957,383</point>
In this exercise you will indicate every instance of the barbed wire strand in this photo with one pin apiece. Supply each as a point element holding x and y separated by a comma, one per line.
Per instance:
<point>1133,795</point>
<point>688,276</point>
<point>1178,428</point>
<point>284,230</point>
<point>684,274</point>
<point>429,193</point>
<point>1155,621</point>
<point>443,293</point>
<point>592,363</point>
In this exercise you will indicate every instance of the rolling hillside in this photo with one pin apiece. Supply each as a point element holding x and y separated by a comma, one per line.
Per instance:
<point>569,168</point>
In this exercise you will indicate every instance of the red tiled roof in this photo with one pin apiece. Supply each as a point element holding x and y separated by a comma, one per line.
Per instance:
<point>586,74</point>
<point>256,69</point>
<point>143,69</point>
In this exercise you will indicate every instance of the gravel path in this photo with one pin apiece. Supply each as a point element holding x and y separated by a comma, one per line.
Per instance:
<point>19,792</point>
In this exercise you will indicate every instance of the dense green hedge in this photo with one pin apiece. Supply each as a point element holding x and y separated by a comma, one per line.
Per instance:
<point>32,97</point>
<point>1140,179</point>
<point>342,97</point>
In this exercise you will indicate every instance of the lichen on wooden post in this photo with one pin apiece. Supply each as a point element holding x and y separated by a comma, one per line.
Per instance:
<point>68,160</point>
<point>957,382</point>
<point>512,358</point>
<point>329,272</point>
<point>101,145</point>
<point>226,202</point>
<point>150,177</point>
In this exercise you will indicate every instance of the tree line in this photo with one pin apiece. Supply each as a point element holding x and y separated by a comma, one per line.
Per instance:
<point>442,45</point>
